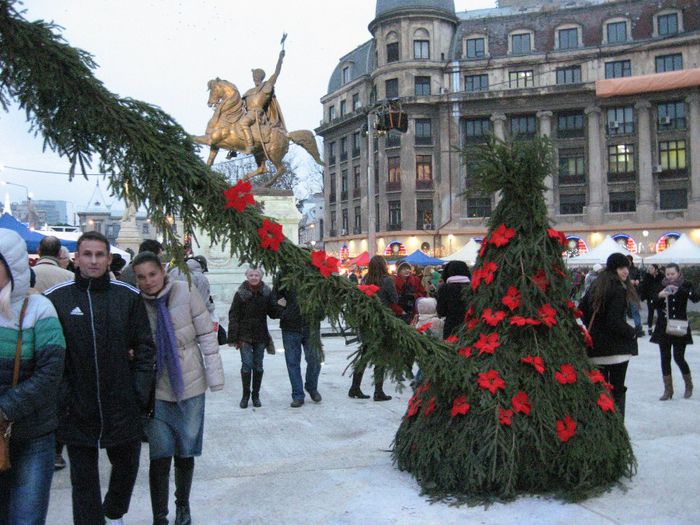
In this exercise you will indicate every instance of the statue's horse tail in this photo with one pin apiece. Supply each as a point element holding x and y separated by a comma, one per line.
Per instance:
<point>305,139</point>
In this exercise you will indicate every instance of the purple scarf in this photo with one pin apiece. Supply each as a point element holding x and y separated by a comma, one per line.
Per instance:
<point>166,348</point>
<point>677,282</point>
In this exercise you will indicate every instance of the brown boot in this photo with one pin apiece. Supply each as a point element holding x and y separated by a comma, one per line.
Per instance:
<point>668,389</point>
<point>688,385</point>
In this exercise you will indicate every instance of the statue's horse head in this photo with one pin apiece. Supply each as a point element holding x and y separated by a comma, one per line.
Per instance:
<point>220,90</point>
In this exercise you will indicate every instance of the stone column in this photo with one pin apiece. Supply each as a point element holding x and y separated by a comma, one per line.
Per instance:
<point>499,131</point>
<point>596,175</point>
<point>645,209</point>
<point>545,118</point>
<point>693,101</point>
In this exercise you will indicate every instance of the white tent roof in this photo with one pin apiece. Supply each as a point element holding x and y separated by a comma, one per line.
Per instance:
<point>73,236</point>
<point>467,253</point>
<point>683,251</point>
<point>600,254</point>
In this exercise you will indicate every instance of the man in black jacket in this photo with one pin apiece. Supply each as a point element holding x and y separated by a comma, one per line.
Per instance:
<point>107,381</point>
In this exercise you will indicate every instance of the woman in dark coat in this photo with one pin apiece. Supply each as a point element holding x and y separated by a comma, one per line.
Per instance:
<point>672,301</point>
<point>649,291</point>
<point>452,296</point>
<point>605,315</point>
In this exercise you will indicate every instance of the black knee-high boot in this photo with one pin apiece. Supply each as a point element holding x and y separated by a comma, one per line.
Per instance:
<point>355,390</point>
<point>184,471</point>
<point>158,481</point>
<point>257,380</point>
<point>245,380</point>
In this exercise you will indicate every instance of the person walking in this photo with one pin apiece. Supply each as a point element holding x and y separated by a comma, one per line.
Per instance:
<point>672,303</point>
<point>187,361</point>
<point>452,296</point>
<point>32,335</point>
<point>252,304</point>
<point>649,290</point>
<point>605,314</point>
<point>107,381</point>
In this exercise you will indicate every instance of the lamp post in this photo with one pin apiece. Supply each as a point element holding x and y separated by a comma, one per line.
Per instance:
<point>26,189</point>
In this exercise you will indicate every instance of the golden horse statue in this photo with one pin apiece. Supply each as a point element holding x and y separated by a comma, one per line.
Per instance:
<point>269,142</point>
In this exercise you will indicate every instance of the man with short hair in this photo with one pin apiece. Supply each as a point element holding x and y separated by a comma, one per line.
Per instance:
<point>48,269</point>
<point>107,382</point>
<point>148,245</point>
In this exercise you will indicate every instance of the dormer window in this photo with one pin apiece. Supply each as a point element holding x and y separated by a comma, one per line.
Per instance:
<point>476,47</point>
<point>568,37</point>
<point>668,22</point>
<point>346,74</point>
<point>616,31</point>
<point>521,42</point>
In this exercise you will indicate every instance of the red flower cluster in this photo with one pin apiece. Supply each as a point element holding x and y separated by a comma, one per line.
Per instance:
<point>491,381</point>
<point>512,298</point>
<point>572,306</point>
<point>606,403</point>
<point>271,235</point>
<point>470,321</point>
<point>501,236</point>
<point>425,327</point>
<point>566,374</point>
<point>452,339</point>
<point>587,339</point>
<point>487,344</point>
<point>505,415</point>
<point>492,318</point>
<point>534,360</point>
<point>460,406</point>
<point>485,273</point>
<point>566,428</point>
<point>556,234</point>
<point>465,352</point>
<point>596,376</point>
<point>326,265</point>
<point>430,407</point>
<point>369,289</point>
<point>547,313</point>
<point>239,196</point>
<point>519,320</point>
<point>414,405</point>
<point>541,281</point>
<point>521,403</point>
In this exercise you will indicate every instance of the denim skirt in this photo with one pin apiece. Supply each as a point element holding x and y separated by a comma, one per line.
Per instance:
<point>176,429</point>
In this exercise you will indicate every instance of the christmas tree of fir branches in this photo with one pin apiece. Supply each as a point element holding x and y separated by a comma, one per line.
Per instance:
<point>518,408</point>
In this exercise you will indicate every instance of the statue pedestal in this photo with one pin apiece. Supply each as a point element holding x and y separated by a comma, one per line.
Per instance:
<point>129,235</point>
<point>225,273</point>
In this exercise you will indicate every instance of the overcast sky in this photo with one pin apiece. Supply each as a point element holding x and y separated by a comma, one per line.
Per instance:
<point>165,51</point>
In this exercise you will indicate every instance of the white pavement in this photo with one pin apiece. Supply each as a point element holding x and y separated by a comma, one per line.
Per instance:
<point>329,463</point>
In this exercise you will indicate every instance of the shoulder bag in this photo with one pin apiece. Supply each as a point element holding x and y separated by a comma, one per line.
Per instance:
<point>675,327</point>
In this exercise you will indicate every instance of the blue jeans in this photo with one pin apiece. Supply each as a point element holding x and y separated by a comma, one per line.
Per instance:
<point>633,312</point>
<point>293,343</point>
<point>25,488</point>
<point>252,356</point>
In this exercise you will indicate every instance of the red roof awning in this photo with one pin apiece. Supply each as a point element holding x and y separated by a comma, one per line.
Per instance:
<point>614,87</point>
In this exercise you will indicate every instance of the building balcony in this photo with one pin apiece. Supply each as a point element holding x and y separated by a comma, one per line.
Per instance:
<point>393,185</point>
<point>331,197</point>
<point>567,180</point>
<point>424,141</point>
<point>343,156</point>
<point>356,193</point>
<point>629,176</point>
<point>393,227</point>
<point>357,230</point>
<point>343,195</point>
<point>333,233</point>
<point>666,173</point>
<point>424,184</point>
<point>570,133</point>
<point>355,153</point>
<point>424,226</point>
<point>331,161</point>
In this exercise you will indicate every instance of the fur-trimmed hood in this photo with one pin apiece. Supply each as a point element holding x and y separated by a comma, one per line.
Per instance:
<point>13,251</point>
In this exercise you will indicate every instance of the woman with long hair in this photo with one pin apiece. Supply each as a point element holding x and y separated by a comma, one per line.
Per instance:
<point>452,296</point>
<point>378,275</point>
<point>672,302</point>
<point>187,361</point>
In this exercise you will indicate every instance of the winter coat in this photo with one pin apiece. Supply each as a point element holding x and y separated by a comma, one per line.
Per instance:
<point>247,317</point>
<point>105,391</point>
<point>199,281</point>
<point>387,293</point>
<point>677,306</point>
<point>650,286</point>
<point>49,273</point>
<point>31,405</point>
<point>409,290</point>
<point>452,305</point>
<point>197,345</point>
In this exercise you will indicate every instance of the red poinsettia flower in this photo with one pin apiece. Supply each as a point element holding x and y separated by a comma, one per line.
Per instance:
<point>271,235</point>
<point>572,306</point>
<point>430,407</point>
<point>512,298</point>
<point>423,388</point>
<point>492,318</point>
<point>369,289</point>
<point>414,405</point>
<point>501,236</point>
<point>465,352</point>
<point>239,196</point>
<point>425,327</point>
<point>519,320</point>
<point>566,428</point>
<point>557,235</point>
<point>608,386</point>
<point>547,313</point>
<point>534,360</point>
<point>566,374</point>
<point>477,275</point>
<point>540,280</point>
<point>472,323</point>
<point>460,406</point>
<point>485,273</point>
<point>452,339</point>
<point>587,339</point>
<point>505,415</point>
<point>326,265</point>
<point>487,343</point>
<point>596,376</point>
<point>491,381</point>
<point>521,403</point>
<point>606,403</point>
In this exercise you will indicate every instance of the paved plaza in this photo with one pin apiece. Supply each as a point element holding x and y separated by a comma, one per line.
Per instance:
<point>330,463</point>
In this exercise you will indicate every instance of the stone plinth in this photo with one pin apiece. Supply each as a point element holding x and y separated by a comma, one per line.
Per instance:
<point>129,235</point>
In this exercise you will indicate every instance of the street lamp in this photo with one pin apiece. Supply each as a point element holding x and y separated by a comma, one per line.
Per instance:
<point>26,189</point>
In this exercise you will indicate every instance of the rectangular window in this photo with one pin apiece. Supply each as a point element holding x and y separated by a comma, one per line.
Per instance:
<point>356,180</point>
<point>569,75</point>
<point>421,49</point>
<point>394,169</point>
<point>392,52</point>
<point>672,155</point>
<point>343,108</point>
<point>344,149</point>
<point>618,69</point>
<point>621,159</point>
<point>478,207</point>
<point>334,224</point>
<point>670,115</point>
<point>568,38</point>
<point>331,183</point>
<point>520,43</point>
<point>620,121</point>
<point>346,74</point>
<point>424,168</point>
<point>346,222</point>
<point>376,217</point>
<point>356,144</point>
<point>394,215</point>
<point>524,125</point>
<point>476,47</point>
<point>572,167</point>
<point>572,204</point>
<point>673,199</point>
<point>521,79</point>
<point>344,185</point>
<point>666,63</point>
<point>331,153</point>
<point>476,130</point>
<point>667,24</point>
<point>424,131</point>
<point>355,101</point>
<point>331,113</point>
<point>476,83</point>
<point>622,201</point>
<point>617,32</point>
<point>424,214</point>
<point>358,220</point>
<point>393,139</point>
<point>570,125</point>
<point>422,86</point>
<point>144,228</point>
<point>391,88</point>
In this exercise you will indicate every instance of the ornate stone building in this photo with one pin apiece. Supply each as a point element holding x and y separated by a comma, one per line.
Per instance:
<point>624,163</point>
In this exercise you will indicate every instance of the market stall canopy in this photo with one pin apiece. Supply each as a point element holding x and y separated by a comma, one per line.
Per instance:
<point>418,258</point>
<point>360,260</point>
<point>69,240</point>
<point>615,87</point>
<point>683,251</point>
<point>31,237</point>
<point>467,253</point>
<point>600,254</point>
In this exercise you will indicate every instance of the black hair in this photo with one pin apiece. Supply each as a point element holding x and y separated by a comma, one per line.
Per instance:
<point>93,236</point>
<point>144,257</point>
<point>151,245</point>
<point>49,246</point>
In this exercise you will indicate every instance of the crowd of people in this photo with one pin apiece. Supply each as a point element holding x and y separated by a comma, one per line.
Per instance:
<point>123,354</point>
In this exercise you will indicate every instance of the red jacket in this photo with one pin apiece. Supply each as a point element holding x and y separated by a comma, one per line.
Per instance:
<point>409,291</point>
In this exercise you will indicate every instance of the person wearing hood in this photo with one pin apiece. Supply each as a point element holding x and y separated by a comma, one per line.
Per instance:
<point>187,361</point>
<point>30,403</point>
<point>452,296</point>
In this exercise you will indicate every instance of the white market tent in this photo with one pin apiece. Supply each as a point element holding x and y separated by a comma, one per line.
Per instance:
<point>73,236</point>
<point>683,251</point>
<point>600,254</point>
<point>467,253</point>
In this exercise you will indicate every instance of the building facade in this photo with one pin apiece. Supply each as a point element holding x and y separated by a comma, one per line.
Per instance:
<point>624,163</point>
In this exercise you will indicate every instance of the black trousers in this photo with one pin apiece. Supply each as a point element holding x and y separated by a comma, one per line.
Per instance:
<point>678,357</point>
<point>615,375</point>
<point>88,508</point>
<point>650,313</point>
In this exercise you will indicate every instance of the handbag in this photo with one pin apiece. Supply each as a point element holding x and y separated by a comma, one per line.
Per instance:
<point>6,426</point>
<point>675,327</point>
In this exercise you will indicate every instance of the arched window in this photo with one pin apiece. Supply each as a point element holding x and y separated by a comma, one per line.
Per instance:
<point>421,44</point>
<point>392,47</point>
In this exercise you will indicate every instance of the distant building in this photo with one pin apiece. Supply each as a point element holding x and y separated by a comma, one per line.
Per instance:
<point>47,212</point>
<point>311,225</point>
